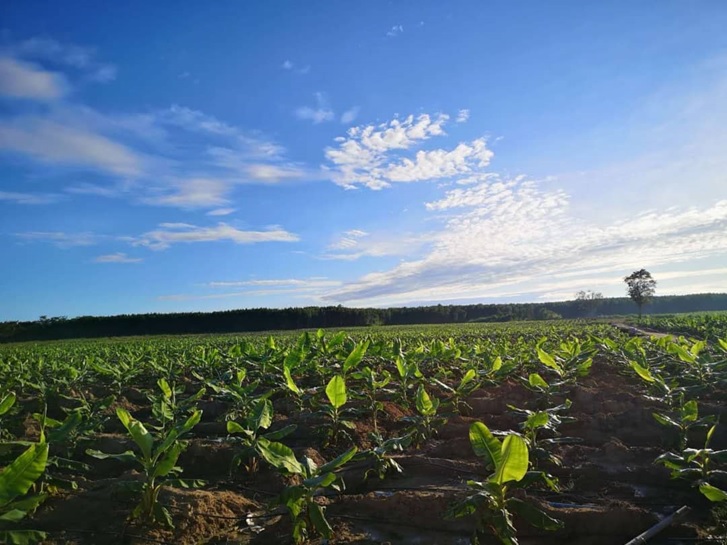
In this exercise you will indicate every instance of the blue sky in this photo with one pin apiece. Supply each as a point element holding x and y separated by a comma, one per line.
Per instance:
<point>174,156</point>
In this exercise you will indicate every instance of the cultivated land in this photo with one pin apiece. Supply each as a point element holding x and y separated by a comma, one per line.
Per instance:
<point>368,435</point>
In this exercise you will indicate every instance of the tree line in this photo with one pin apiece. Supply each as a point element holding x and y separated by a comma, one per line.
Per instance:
<point>268,319</point>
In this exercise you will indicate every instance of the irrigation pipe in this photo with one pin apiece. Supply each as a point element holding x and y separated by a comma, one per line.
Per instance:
<point>659,526</point>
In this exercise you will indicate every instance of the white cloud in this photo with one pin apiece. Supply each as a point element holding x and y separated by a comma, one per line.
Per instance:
<point>436,164</point>
<point>20,79</point>
<point>221,212</point>
<point>318,114</point>
<point>355,244</point>
<point>194,193</point>
<point>373,156</point>
<point>350,239</point>
<point>69,55</point>
<point>170,234</point>
<point>462,116</point>
<point>309,289</point>
<point>505,238</point>
<point>61,239</point>
<point>308,283</point>
<point>350,115</point>
<point>290,66</point>
<point>29,198</point>
<point>52,142</point>
<point>195,121</point>
<point>118,257</point>
<point>395,31</point>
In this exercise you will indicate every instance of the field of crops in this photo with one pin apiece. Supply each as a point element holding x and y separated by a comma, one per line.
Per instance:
<point>563,432</point>
<point>712,326</point>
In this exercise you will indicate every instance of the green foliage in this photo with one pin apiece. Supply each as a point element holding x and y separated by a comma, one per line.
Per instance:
<point>252,440</point>
<point>16,480</point>
<point>424,424</point>
<point>307,515</point>
<point>158,460</point>
<point>699,466</point>
<point>547,421</point>
<point>491,500</point>
<point>640,287</point>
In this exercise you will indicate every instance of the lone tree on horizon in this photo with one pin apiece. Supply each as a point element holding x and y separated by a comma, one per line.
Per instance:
<point>641,287</point>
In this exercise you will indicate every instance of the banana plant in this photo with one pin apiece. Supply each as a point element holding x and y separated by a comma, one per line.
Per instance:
<point>157,458</point>
<point>697,366</point>
<point>373,386</point>
<point>354,358</point>
<point>546,390</point>
<point>166,407</point>
<point>7,401</point>
<point>380,455</point>
<point>16,480</point>
<point>570,361</point>
<point>232,390</point>
<point>425,423</point>
<point>457,395</point>
<point>492,500</point>
<point>683,420</point>
<point>537,422</point>
<point>337,397</point>
<point>253,438</point>
<point>307,515</point>
<point>697,465</point>
<point>409,373</point>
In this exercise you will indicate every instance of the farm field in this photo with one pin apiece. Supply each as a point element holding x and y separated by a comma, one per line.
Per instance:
<point>531,433</point>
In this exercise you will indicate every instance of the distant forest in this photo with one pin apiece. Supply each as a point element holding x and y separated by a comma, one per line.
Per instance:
<point>266,319</point>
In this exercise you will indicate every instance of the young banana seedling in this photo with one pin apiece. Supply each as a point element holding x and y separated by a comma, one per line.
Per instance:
<point>157,457</point>
<point>698,465</point>
<point>570,361</point>
<point>373,386</point>
<point>337,397</point>
<point>492,500</point>
<point>7,401</point>
<point>252,437</point>
<point>16,480</point>
<point>538,422</point>
<point>307,515</point>
<point>166,406</point>
<point>457,395</point>
<point>426,422</point>
<point>684,419</point>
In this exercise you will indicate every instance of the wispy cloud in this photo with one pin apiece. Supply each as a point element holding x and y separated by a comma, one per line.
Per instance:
<point>318,114</point>
<point>19,79</point>
<point>373,156</point>
<point>83,59</point>
<point>309,289</point>
<point>355,244</point>
<point>289,65</point>
<point>193,193</point>
<point>221,212</point>
<point>505,237</point>
<point>175,233</point>
<point>61,239</point>
<point>52,142</point>
<point>29,198</point>
<point>308,283</point>
<point>395,30</point>
<point>350,115</point>
<point>462,116</point>
<point>118,257</point>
